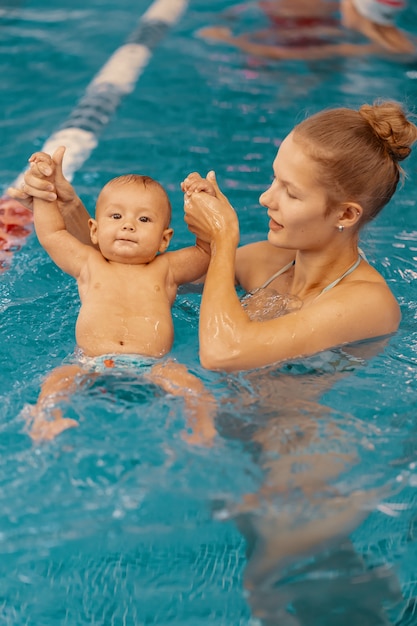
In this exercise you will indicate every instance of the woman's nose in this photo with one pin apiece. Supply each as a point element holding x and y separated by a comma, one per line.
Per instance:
<point>263,198</point>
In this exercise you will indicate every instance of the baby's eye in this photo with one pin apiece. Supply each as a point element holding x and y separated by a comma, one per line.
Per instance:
<point>116,216</point>
<point>143,218</point>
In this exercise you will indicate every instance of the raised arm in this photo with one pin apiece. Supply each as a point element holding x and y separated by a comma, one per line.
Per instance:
<point>213,219</point>
<point>49,183</point>
<point>190,264</point>
<point>64,249</point>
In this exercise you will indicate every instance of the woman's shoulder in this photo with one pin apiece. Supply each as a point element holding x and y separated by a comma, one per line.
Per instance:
<point>366,297</point>
<point>367,273</point>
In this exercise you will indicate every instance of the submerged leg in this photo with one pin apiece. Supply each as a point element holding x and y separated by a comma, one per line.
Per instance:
<point>200,405</point>
<point>46,418</point>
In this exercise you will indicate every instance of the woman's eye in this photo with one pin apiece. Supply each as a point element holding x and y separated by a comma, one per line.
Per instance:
<point>290,195</point>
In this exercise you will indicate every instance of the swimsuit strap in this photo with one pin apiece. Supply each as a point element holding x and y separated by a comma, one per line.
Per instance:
<point>337,281</point>
<point>333,284</point>
<point>281,271</point>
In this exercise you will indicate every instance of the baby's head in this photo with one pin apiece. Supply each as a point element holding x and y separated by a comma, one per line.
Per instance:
<point>132,219</point>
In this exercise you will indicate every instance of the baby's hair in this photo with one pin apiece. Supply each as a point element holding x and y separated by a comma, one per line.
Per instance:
<point>359,152</point>
<point>146,181</point>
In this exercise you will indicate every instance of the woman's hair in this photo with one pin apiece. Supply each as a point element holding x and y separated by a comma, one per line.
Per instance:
<point>359,152</point>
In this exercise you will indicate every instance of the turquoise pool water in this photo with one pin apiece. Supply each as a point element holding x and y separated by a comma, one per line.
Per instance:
<point>120,521</point>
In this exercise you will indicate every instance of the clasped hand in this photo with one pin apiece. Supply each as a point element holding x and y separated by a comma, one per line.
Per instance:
<point>208,213</point>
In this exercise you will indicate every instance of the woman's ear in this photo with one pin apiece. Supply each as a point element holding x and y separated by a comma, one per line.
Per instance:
<point>349,215</point>
<point>166,238</point>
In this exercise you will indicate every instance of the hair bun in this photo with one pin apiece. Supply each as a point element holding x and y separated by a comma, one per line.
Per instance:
<point>389,122</point>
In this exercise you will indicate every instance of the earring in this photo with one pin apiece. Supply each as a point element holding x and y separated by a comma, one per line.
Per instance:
<point>340,228</point>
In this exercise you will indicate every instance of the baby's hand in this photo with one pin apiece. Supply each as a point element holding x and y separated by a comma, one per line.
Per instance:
<point>41,165</point>
<point>43,179</point>
<point>195,183</point>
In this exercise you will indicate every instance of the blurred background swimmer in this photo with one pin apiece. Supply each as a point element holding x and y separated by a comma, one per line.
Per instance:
<point>303,30</point>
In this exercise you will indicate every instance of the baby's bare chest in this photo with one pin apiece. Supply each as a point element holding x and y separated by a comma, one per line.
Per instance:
<point>128,286</point>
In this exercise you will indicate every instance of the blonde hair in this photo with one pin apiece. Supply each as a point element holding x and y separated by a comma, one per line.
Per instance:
<point>358,152</point>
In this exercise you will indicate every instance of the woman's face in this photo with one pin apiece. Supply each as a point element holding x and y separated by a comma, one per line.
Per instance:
<point>297,201</point>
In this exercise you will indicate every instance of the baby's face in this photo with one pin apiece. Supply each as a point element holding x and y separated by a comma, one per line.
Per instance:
<point>131,224</point>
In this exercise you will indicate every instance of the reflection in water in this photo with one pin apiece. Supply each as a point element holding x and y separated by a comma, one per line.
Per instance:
<point>267,304</point>
<point>302,568</point>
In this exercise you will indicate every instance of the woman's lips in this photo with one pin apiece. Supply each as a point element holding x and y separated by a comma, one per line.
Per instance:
<point>273,225</point>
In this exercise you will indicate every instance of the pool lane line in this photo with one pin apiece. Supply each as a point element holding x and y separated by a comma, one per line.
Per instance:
<point>80,132</point>
<point>117,78</point>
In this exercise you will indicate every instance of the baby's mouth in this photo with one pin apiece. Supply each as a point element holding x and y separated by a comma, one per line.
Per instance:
<point>126,239</point>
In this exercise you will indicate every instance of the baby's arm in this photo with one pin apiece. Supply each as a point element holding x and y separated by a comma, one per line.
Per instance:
<point>190,264</point>
<point>63,248</point>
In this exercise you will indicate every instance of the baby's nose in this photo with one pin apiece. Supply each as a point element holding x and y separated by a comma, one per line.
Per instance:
<point>128,226</point>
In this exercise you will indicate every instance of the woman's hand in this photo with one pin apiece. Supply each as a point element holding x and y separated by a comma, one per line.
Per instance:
<point>36,185</point>
<point>209,216</point>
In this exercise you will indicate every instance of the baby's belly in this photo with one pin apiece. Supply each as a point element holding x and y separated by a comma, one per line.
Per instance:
<point>141,334</point>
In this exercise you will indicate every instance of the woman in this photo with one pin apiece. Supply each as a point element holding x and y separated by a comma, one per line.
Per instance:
<point>333,173</point>
<point>306,30</point>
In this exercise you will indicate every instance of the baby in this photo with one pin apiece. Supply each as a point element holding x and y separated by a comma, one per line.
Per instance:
<point>127,283</point>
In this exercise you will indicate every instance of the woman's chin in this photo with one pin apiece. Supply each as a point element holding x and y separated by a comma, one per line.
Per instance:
<point>273,237</point>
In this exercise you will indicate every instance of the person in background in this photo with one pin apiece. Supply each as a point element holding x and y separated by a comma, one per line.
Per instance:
<point>127,283</point>
<point>302,30</point>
